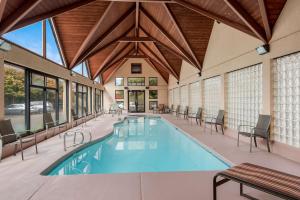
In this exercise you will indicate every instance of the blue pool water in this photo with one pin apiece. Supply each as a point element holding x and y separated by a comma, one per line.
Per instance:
<point>141,144</point>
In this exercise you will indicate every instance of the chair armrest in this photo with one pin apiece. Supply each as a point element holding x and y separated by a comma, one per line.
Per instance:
<point>3,136</point>
<point>210,119</point>
<point>242,125</point>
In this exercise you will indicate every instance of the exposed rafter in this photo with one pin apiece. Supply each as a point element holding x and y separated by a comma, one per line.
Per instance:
<point>155,68</point>
<point>168,36</point>
<point>264,16</point>
<point>94,45</point>
<point>91,34</point>
<point>181,35</point>
<point>136,39</point>
<point>2,7</point>
<point>116,69</point>
<point>18,15</point>
<point>214,16</point>
<point>137,17</point>
<point>51,13</point>
<point>247,19</point>
<point>109,57</point>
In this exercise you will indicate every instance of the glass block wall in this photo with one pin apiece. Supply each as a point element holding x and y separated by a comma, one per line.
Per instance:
<point>170,98</point>
<point>212,95</point>
<point>286,103</point>
<point>243,96</point>
<point>194,96</point>
<point>184,96</point>
<point>176,97</point>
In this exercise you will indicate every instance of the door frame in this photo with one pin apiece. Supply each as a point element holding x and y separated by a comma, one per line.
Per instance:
<point>136,91</point>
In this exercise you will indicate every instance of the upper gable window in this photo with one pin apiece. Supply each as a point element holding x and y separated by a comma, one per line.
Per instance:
<point>136,68</point>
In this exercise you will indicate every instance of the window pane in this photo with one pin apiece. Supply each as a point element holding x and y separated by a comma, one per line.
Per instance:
<point>153,104</point>
<point>212,93</point>
<point>74,96</point>
<point>51,103</point>
<point>52,50</point>
<point>78,69</point>
<point>51,82</point>
<point>119,82</point>
<point>79,104</point>
<point>136,68</point>
<point>153,81</point>
<point>136,81</point>
<point>29,37</point>
<point>84,68</point>
<point>37,79</point>
<point>14,96</point>
<point>120,104</point>
<point>36,108</point>
<point>153,94</point>
<point>62,92</point>
<point>119,94</point>
<point>243,97</point>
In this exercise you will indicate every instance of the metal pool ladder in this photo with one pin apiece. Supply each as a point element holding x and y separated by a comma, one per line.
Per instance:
<point>74,134</point>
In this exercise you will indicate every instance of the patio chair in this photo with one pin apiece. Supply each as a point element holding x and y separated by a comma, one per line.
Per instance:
<point>280,184</point>
<point>177,111</point>
<point>161,108</point>
<point>197,116</point>
<point>113,109</point>
<point>185,112</point>
<point>219,120</point>
<point>262,130</point>
<point>51,124</point>
<point>173,110</point>
<point>167,109</point>
<point>74,118</point>
<point>9,136</point>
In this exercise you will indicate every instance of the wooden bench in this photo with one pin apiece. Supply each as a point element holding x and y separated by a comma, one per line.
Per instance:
<point>283,185</point>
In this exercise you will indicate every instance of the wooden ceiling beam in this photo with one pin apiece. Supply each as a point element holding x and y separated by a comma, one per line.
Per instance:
<point>247,19</point>
<point>106,60</point>
<point>51,13</point>
<point>136,39</point>
<point>143,1</point>
<point>94,45</point>
<point>214,16</point>
<point>108,44</point>
<point>165,68</point>
<point>118,66</point>
<point>169,37</point>
<point>137,56</point>
<point>2,8</point>
<point>162,63</point>
<point>264,16</point>
<point>136,31</point>
<point>112,62</point>
<point>155,68</point>
<point>171,16</point>
<point>91,34</point>
<point>16,16</point>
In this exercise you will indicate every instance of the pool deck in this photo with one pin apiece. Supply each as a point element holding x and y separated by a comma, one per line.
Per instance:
<point>22,180</point>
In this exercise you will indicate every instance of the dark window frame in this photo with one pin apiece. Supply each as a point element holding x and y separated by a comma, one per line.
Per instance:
<point>153,78</point>
<point>116,94</point>
<point>128,78</point>
<point>136,65</point>
<point>156,94</point>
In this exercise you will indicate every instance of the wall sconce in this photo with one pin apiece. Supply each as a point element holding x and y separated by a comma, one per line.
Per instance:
<point>147,87</point>
<point>199,74</point>
<point>261,50</point>
<point>177,82</point>
<point>126,88</point>
<point>72,73</point>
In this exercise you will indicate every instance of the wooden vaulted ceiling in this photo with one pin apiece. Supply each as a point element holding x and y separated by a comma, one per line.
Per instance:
<point>106,33</point>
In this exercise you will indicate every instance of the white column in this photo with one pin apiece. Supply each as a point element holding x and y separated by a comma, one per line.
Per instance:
<point>266,86</point>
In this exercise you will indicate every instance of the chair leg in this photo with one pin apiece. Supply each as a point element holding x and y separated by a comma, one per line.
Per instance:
<point>222,127</point>
<point>250,143</point>
<point>238,139</point>
<point>268,145</point>
<point>15,150</point>
<point>21,145</point>
<point>216,127</point>
<point>255,142</point>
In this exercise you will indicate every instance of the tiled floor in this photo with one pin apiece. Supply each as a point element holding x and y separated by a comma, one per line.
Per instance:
<point>22,180</point>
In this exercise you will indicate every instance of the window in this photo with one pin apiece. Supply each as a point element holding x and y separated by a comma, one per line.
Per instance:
<point>184,96</point>
<point>153,81</point>
<point>62,99</point>
<point>119,81</point>
<point>136,68</point>
<point>136,81</point>
<point>286,105</point>
<point>29,37</point>
<point>80,99</point>
<point>194,96</point>
<point>153,94</point>
<point>98,100</point>
<point>212,95</point>
<point>120,104</point>
<point>170,98</point>
<point>119,94</point>
<point>243,96</point>
<point>176,97</point>
<point>52,51</point>
<point>81,69</point>
<point>14,96</point>
<point>153,104</point>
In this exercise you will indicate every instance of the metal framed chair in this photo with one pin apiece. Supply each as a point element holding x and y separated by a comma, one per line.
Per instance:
<point>74,118</point>
<point>51,124</point>
<point>177,111</point>
<point>9,136</point>
<point>219,120</point>
<point>261,130</point>
<point>197,116</point>
<point>185,112</point>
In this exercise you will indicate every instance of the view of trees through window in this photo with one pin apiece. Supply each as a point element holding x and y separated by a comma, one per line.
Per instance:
<point>135,81</point>
<point>153,94</point>
<point>153,81</point>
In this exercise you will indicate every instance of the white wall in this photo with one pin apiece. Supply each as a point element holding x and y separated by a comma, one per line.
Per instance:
<point>125,71</point>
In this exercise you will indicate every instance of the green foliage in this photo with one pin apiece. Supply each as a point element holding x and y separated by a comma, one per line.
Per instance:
<point>14,85</point>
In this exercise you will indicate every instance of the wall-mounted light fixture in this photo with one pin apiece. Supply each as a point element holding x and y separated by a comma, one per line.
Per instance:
<point>72,73</point>
<point>147,87</point>
<point>177,82</point>
<point>261,50</point>
<point>126,88</point>
<point>199,74</point>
